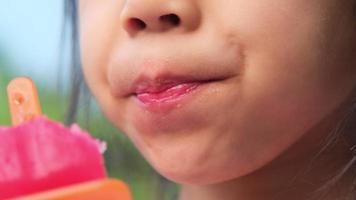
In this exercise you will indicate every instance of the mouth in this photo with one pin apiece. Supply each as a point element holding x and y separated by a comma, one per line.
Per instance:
<point>165,90</point>
<point>169,93</point>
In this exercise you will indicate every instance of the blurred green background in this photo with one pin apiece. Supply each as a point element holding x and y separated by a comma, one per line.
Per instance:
<point>31,45</point>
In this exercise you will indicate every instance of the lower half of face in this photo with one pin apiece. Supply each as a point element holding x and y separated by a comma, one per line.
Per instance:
<point>222,100</point>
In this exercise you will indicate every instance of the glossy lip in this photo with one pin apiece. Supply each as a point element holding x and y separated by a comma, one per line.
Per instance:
<point>145,84</point>
<point>164,92</point>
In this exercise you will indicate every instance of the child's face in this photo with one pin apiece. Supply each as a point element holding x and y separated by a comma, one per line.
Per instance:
<point>249,77</point>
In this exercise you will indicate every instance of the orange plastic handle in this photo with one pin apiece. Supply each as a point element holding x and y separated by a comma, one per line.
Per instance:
<point>23,100</point>
<point>108,189</point>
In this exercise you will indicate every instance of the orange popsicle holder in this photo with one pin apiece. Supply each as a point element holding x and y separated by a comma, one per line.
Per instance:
<point>24,105</point>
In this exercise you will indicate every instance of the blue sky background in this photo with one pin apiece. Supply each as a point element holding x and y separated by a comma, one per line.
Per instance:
<point>30,37</point>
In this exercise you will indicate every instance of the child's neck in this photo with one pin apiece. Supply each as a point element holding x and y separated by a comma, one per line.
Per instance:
<point>292,176</point>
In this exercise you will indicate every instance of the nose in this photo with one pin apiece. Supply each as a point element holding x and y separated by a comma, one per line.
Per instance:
<point>159,15</point>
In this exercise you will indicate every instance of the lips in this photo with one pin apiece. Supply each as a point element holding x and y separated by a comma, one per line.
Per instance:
<point>165,93</point>
<point>157,84</point>
<point>166,88</point>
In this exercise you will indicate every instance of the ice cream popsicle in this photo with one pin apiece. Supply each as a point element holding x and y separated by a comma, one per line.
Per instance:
<point>45,160</point>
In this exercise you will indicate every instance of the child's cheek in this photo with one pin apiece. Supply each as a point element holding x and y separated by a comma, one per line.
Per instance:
<point>98,33</point>
<point>285,45</point>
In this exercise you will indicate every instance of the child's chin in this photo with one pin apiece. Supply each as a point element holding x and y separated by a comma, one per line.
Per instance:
<point>197,177</point>
<point>187,173</point>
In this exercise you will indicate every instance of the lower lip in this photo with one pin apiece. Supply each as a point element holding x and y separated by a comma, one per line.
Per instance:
<point>169,95</point>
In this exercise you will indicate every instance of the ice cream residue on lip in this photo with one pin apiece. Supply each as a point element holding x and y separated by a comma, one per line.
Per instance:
<point>168,94</point>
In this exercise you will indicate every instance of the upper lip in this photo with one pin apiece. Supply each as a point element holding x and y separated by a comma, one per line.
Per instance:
<point>133,68</point>
<point>156,75</point>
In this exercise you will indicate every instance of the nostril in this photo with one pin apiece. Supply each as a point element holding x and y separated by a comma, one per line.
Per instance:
<point>137,24</point>
<point>171,19</point>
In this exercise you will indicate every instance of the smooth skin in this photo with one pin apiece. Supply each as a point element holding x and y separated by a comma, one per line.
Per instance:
<point>284,73</point>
